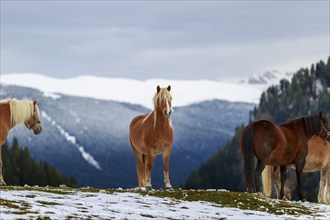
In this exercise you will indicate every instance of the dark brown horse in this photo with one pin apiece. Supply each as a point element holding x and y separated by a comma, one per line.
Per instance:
<point>13,112</point>
<point>279,146</point>
<point>317,160</point>
<point>152,134</point>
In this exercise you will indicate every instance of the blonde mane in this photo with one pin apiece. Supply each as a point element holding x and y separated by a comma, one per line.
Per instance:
<point>163,94</point>
<point>20,110</point>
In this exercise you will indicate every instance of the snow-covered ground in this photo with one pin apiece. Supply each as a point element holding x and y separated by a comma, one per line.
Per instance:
<point>184,92</point>
<point>129,204</point>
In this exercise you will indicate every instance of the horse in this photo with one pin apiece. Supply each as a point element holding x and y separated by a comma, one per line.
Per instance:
<point>318,159</point>
<point>152,134</point>
<point>281,146</point>
<point>14,112</point>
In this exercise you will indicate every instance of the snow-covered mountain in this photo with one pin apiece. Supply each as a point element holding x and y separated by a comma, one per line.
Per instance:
<point>185,92</point>
<point>267,79</point>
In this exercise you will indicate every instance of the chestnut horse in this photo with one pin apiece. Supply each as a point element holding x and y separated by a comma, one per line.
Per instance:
<point>318,159</point>
<point>279,146</point>
<point>152,134</point>
<point>13,112</point>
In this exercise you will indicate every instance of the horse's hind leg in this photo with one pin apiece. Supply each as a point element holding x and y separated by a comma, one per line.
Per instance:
<point>149,163</point>
<point>257,173</point>
<point>283,179</point>
<point>140,168</point>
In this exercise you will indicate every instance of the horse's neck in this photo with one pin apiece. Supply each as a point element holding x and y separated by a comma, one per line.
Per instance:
<point>5,122</point>
<point>161,121</point>
<point>312,126</point>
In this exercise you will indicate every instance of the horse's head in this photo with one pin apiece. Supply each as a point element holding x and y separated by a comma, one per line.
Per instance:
<point>163,101</point>
<point>325,130</point>
<point>33,122</point>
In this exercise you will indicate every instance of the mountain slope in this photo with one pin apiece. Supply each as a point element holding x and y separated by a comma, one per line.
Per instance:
<point>87,138</point>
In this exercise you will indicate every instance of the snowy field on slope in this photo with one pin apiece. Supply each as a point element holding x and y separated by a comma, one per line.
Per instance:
<point>184,92</point>
<point>57,203</point>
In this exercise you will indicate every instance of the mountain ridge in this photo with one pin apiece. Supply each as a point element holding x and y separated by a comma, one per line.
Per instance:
<point>184,92</point>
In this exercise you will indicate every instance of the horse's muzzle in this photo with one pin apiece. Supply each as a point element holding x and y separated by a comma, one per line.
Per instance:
<point>37,131</point>
<point>168,113</point>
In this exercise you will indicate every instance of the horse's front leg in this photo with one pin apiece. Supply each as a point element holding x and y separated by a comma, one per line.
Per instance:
<point>150,163</point>
<point>2,182</point>
<point>166,159</point>
<point>283,178</point>
<point>324,190</point>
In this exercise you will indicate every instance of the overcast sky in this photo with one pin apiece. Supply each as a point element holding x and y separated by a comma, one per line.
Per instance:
<point>217,40</point>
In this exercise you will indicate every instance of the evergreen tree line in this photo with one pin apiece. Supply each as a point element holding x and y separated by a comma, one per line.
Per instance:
<point>19,168</point>
<point>307,93</point>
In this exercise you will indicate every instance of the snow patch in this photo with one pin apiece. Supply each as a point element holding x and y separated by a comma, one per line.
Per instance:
<point>126,205</point>
<point>72,139</point>
<point>51,95</point>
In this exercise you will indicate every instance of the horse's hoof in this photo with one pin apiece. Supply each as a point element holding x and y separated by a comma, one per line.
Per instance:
<point>142,188</point>
<point>169,189</point>
<point>148,187</point>
<point>3,184</point>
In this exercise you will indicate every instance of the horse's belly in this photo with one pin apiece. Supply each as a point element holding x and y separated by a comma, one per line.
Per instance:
<point>279,158</point>
<point>314,164</point>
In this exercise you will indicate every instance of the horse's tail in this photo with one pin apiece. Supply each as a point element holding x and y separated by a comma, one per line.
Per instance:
<point>248,155</point>
<point>267,181</point>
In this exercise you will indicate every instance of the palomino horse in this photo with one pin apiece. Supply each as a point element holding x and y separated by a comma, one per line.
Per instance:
<point>13,112</point>
<point>318,159</point>
<point>152,134</point>
<point>279,146</point>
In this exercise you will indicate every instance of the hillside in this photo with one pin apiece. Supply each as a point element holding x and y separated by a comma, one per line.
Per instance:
<point>307,93</point>
<point>85,203</point>
<point>87,138</point>
<point>19,168</point>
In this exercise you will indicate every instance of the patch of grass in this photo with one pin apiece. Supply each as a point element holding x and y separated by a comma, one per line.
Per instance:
<point>19,208</point>
<point>43,218</point>
<point>9,204</point>
<point>47,203</point>
<point>54,190</point>
<point>147,215</point>
<point>244,201</point>
<point>30,196</point>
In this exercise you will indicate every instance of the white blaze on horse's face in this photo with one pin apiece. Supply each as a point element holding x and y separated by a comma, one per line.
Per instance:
<point>165,101</point>
<point>168,109</point>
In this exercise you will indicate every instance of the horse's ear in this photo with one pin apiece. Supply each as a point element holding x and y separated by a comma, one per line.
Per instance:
<point>158,89</point>
<point>169,88</point>
<point>322,117</point>
<point>35,101</point>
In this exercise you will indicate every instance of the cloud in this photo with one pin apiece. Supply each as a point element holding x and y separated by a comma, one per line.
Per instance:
<point>179,40</point>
